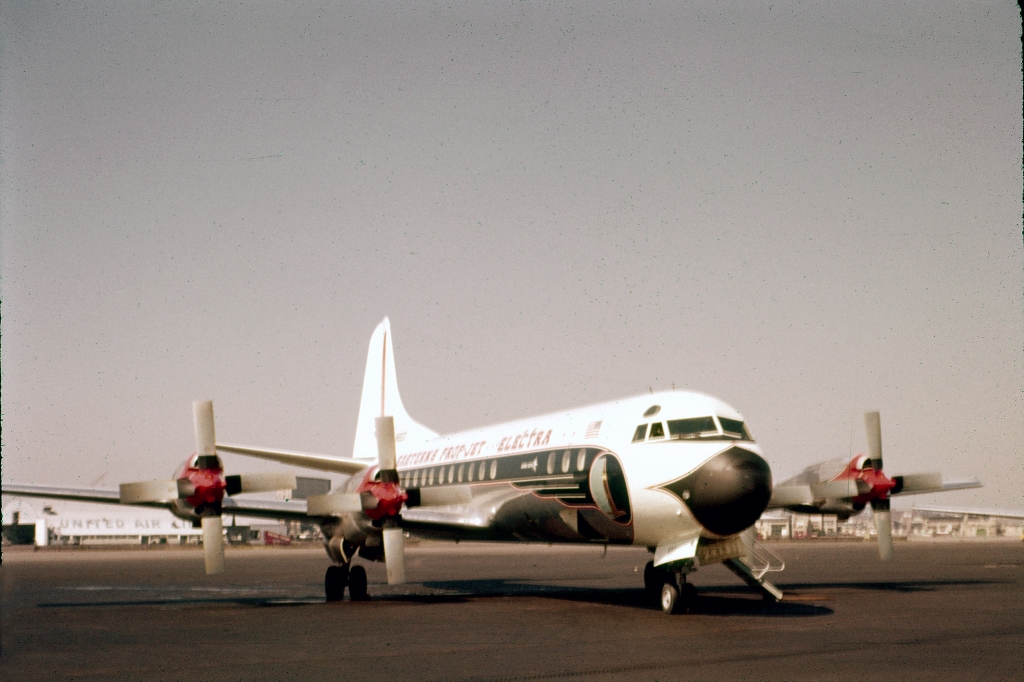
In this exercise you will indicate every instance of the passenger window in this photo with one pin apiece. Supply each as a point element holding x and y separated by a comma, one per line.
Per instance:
<point>657,430</point>
<point>581,460</point>
<point>461,468</point>
<point>551,463</point>
<point>480,474</point>
<point>469,472</point>
<point>451,474</point>
<point>494,468</point>
<point>641,433</point>
<point>566,458</point>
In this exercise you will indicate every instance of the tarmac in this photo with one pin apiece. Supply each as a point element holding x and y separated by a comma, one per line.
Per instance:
<point>939,610</point>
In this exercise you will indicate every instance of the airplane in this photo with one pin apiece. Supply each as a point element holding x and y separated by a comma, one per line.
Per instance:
<point>846,488</point>
<point>677,472</point>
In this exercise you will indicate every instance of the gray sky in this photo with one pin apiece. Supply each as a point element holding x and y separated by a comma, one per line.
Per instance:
<point>807,210</point>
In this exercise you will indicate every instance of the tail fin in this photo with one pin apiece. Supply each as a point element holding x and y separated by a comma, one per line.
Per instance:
<point>380,397</point>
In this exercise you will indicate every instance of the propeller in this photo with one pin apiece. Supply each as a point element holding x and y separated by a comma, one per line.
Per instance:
<point>879,504</point>
<point>203,486</point>
<point>394,538</point>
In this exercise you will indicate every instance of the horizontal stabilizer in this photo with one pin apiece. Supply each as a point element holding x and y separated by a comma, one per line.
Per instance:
<point>300,459</point>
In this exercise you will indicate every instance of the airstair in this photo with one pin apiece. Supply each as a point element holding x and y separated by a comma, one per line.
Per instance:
<point>755,564</point>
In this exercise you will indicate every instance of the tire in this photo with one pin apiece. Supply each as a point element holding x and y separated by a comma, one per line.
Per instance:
<point>357,584</point>
<point>670,598</point>
<point>335,581</point>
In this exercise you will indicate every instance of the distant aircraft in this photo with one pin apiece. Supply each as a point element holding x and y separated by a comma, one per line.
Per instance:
<point>846,488</point>
<point>677,472</point>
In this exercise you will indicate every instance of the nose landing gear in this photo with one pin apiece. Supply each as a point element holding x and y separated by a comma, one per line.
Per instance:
<point>669,589</point>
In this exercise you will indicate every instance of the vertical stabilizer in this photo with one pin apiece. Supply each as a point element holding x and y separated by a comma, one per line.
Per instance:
<point>380,397</point>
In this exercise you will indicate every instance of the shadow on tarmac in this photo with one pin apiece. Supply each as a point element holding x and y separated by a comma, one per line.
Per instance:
<point>729,603</point>
<point>716,601</point>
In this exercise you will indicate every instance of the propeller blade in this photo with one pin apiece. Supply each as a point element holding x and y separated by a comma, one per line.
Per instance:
<point>394,554</point>
<point>394,538</point>
<point>883,524</point>
<point>873,423</point>
<point>151,491</point>
<point>918,483</point>
<point>213,544</point>
<point>334,504</point>
<point>439,497</point>
<point>386,456</point>
<point>260,483</point>
<point>206,438</point>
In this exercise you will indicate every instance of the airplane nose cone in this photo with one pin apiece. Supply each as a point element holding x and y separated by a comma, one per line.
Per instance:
<point>728,493</point>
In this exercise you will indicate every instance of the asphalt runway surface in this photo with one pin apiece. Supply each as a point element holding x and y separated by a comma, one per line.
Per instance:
<point>515,612</point>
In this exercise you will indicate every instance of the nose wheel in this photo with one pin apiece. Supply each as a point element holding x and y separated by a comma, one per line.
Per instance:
<point>669,589</point>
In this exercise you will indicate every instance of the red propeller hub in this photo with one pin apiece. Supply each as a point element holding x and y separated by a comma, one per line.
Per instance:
<point>389,495</point>
<point>872,483</point>
<point>206,474</point>
<point>880,485</point>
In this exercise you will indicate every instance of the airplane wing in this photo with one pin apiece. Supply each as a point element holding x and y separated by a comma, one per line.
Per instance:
<point>300,459</point>
<point>294,510</point>
<point>972,511</point>
<point>75,494</point>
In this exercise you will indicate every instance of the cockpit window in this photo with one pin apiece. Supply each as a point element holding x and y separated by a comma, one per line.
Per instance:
<point>641,433</point>
<point>696,427</point>
<point>735,428</point>
<point>657,430</point>
<point>208,462</point>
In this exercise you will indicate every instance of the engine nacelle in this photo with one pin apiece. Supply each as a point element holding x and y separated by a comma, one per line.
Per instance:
<point>843,509</point>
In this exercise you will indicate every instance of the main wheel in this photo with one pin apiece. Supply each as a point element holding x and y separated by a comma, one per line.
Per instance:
<point>669,598</point>
<point>335,581</point>
<point>357,583</point>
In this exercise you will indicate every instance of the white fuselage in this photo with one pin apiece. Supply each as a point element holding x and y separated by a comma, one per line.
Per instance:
<point>582,475</point>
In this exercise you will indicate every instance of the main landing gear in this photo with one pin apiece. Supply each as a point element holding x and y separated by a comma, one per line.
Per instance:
<point>340,577</point>
<point>669,589</point>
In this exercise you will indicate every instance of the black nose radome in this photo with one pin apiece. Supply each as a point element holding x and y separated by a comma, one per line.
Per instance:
<point>728,493</point>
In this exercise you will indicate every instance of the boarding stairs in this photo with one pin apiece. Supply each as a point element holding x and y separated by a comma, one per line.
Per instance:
<point>755,564</point>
